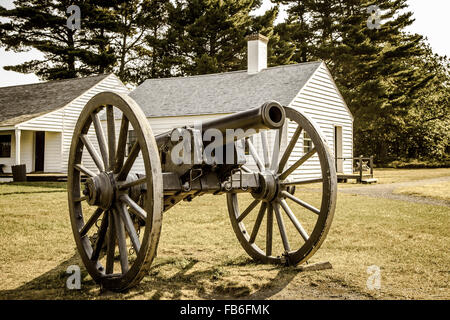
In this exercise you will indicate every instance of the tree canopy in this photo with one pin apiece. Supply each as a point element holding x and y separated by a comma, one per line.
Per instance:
<point>395,86</point>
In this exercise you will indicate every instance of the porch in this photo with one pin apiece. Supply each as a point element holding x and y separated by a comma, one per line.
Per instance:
<point>37,177</point>
<point>362,170</point>
<point>33,150</point>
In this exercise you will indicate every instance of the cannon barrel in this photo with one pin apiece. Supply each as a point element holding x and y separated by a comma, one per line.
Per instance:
<point>270,115</point>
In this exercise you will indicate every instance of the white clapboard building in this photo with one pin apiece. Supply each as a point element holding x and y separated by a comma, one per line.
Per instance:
<point>37,120</point>
<point>42,116</point>
<point>309,87</point>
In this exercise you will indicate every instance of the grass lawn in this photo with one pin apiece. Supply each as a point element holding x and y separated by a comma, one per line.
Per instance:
<point>199,256</point>
<point>436,190</point>
<point>388,175</point>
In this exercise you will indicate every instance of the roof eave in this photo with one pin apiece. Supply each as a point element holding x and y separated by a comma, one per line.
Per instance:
<point>18,125</point>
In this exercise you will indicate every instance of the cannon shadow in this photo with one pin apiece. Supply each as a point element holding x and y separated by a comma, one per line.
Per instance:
<point>204,284</point>
<point>207,285</point>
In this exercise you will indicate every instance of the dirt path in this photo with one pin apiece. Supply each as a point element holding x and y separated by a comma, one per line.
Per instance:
<point>386,191</point>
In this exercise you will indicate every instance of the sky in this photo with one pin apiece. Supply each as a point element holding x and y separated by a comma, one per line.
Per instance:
<point>431,21</point>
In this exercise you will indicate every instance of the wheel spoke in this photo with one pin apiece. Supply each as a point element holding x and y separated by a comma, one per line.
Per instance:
<point>84,170</point>
<point>281,227</point>
<point>294,220</point>
<point>80,199</point>
<point>121,240</point>
<point>258,221</point>
<point>300,202</point>
<point>245,169</point>
<point>111,250</point>
<point>122,144</point>
<point>100,239</point>
<point>248,210</point>
<point>90,148</point>
<point>296,241</point>
<point>276,150</point>
<point>297,164</point>
<point>265,147</point>
<point>100,138</point>
<point>129,163</point>
<point>269,230</point>
<point>289,149</point>
<point>129,226</point>
<point>300,182</point>
<point>133,183</point>
<point>111,136</point>
<point>134,206</point>
<point>92,220</point>
<point>255,156</point>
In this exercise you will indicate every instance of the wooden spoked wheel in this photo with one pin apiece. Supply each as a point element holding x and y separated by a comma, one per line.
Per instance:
<point>299,236</point>
<point>116,215</point>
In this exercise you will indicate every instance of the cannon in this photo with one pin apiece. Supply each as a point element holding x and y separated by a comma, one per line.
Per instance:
<point>116,209</point>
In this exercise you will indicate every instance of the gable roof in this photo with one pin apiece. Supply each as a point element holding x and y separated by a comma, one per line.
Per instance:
<point>25,102</point>
<point>222,92</point>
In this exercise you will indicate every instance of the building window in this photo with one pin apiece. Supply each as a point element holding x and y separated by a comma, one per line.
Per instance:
<point>131,141</point>
<point>307,143</point>
<point>5,146</point>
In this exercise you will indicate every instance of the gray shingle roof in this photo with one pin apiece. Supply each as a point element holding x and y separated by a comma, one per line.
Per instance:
<point>222,92</point>
<point>21,103</point>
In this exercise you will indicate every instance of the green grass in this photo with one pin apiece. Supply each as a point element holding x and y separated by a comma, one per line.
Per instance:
<point>199,256</point>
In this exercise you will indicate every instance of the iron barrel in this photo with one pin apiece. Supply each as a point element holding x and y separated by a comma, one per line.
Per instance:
<point>271,115</point>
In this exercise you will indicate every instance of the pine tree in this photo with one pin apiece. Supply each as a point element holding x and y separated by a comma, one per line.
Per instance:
<point>133,19</point>
<point>373,67</point>
<point>426,128</point>
<point>113,36</point>
<point>211,33</point>
<point>42,25</point>
<point>296,33</point>
<point>372,70</point>
<point>156,56</point>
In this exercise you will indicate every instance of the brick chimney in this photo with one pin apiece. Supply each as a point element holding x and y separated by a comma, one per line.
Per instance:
<point>256,53</point>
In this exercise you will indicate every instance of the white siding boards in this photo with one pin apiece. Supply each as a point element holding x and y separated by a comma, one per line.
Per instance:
<point>52,152</point>
<point>177,102</point>
<point>316,96</point>
<point>321,101</point>
<point>58,126</point>
<point>72,112</point>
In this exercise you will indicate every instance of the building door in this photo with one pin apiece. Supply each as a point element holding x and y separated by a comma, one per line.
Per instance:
<point>338,149</point>
<point>39,151</point>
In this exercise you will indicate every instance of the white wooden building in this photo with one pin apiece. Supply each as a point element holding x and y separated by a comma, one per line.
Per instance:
<point>37,120</point>
<point>49,111</point>
<point>176,102</point>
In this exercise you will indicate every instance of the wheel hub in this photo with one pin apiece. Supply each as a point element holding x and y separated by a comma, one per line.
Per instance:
<point>100,190</point>
<point>268,187</point>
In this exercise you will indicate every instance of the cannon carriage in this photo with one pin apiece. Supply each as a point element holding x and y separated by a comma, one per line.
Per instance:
<point>116,214</point>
